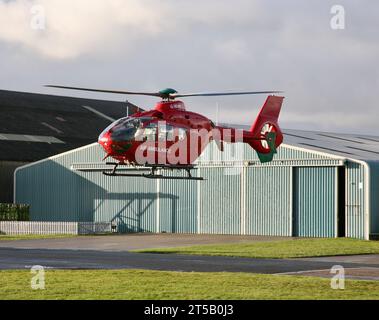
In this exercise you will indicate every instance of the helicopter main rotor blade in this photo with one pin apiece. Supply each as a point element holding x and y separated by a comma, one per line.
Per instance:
<point>107,91</point>
<point>167,93</point>
<point>215,94</point>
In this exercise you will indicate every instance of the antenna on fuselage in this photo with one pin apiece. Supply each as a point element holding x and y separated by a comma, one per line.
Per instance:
<point>127,107</point>
<point>217,113</point>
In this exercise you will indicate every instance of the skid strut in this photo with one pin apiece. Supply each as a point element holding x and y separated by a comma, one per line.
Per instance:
<point>151,171</point>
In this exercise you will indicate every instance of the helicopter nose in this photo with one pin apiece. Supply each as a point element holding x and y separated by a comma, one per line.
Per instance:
<point>105,141</point>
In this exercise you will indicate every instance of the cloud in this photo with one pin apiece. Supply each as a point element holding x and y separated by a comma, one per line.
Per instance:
<point>73,28</point>
<point>232,50</point>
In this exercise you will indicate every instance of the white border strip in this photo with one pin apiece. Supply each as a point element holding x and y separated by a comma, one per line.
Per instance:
<point>158,217</point>
<point>336,201</point>
<point>198,203</point>
<point>367,193</point>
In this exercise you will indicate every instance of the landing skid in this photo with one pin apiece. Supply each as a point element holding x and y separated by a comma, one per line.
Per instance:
<point>153,171</point>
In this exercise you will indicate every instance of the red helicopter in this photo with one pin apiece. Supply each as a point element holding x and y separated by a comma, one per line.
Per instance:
<point>169,137</point>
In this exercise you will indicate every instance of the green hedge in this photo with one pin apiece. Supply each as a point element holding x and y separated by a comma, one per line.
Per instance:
<point>14,212</point>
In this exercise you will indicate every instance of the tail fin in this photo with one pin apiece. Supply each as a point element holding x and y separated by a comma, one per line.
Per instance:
<point>266,130</point>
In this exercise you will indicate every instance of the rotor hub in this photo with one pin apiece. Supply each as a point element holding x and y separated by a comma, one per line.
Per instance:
<point>166,93</point>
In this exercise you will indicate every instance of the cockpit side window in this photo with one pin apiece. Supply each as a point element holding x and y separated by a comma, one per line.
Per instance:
<point>125,129</point>
<point>150,132</point>
<point>147,132</point>
<point>128,129</point>
<point>112,125</point>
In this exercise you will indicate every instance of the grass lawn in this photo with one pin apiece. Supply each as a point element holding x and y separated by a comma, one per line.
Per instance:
<point>35,236</point>
<point>299,248</point>
<point>151,285</point>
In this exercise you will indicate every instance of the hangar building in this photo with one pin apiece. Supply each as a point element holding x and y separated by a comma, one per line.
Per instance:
<point>319,185</point>
<point>37,126</point>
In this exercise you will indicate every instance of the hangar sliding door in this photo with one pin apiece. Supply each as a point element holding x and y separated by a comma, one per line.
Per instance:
<point>268,209</point>
<point>177,206</point>
<point>314,202</point>
<point>219,197</point>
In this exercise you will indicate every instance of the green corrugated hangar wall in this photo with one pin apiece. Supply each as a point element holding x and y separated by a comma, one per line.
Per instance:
<point>299,194</point>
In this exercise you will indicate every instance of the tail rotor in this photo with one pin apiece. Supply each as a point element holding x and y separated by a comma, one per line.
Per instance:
<point>266,130</point>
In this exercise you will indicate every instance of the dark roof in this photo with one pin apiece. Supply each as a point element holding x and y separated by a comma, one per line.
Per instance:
<point>37,126</point>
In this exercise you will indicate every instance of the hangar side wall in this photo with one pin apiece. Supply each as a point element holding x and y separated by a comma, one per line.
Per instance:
<point>374,198</point>
<point>235,198</point>
<point>56,193</point>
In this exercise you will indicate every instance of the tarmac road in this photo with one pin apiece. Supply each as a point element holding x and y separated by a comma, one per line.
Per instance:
<point>11,258</point>
<point>112,253</point>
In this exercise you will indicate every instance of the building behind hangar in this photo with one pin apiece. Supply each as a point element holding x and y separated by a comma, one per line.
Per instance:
<point>319,185</point>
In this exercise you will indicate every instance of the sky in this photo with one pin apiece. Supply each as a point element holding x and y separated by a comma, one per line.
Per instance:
<point>330,77</point>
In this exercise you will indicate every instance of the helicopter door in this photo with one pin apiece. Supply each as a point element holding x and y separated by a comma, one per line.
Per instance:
<point>181,150</point>
<point>182,134</point>
<point>165,132</point>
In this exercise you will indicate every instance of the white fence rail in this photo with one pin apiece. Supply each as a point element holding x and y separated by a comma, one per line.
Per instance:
<point>94,227</point>
<point>46,228</point>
